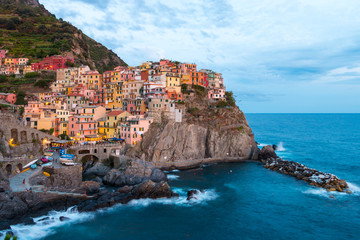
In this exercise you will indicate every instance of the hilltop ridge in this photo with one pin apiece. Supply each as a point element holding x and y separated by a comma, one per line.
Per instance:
<point>29,30</point>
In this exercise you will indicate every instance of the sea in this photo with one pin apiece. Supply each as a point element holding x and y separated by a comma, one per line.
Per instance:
<point>241,200</point>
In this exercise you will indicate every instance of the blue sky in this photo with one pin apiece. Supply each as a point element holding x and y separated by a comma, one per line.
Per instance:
<point>275,55</point>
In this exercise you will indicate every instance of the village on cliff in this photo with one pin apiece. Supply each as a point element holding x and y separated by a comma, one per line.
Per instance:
<point>85,106</point>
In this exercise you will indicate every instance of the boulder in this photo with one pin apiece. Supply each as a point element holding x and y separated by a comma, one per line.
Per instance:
<point>90,187</point>
<point>191,194</point>
<point>157,175</point>
<point>134,172</point>
<point>97,169</point>
<point>62,218</point>
<point>267,152</point>
<point>125,189</point>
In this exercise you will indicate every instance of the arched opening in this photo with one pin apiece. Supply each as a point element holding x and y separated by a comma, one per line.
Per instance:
<point>19,167</point>
<point>23,137</point>
<point>95,150</point>
<point>8,169</point>
<point>14,135</point>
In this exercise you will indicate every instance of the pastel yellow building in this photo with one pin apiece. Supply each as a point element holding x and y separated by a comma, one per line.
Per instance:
<point>173,82</point>
<point>112,120</point>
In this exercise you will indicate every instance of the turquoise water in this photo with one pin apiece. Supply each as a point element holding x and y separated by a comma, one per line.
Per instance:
<point>243,201</point>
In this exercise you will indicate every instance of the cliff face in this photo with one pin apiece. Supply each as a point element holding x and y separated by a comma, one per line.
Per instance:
<point>206,134</point>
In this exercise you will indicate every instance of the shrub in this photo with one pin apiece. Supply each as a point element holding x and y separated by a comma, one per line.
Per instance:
<point>3,78</point>
<point>32,75</point>
<point>230,98</point>
<point>69,64</point>
<point>183,87</point>
<point>194,111</point>
<point>43,83</point>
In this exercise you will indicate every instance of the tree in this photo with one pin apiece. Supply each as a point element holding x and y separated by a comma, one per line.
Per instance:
<point>20,98</point>
<point>69,64</point>
<point>64,136</point>
<point>3,78</point>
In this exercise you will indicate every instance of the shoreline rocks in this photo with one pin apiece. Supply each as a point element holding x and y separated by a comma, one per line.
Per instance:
<point>301,172</point>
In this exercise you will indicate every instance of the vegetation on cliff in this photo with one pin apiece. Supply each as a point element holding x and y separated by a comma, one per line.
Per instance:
<point>32,82</point>
<point>29,30</point>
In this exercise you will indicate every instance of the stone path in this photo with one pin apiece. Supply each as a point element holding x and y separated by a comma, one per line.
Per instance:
<point>16,182</point>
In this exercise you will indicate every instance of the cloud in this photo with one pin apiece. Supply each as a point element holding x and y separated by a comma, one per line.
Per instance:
<point>342,74</point>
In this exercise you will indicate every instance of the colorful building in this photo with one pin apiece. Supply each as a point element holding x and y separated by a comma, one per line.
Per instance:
<point>134,128</point>
<point>52,63</point>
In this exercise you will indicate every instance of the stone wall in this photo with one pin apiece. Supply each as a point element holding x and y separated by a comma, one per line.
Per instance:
<point>28,141</point>
<point>63,179</point>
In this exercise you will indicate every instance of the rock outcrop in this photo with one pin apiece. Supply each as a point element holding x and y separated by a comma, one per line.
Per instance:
<point>316,178</point>
<point>206,134</point>
<point>134,172</point>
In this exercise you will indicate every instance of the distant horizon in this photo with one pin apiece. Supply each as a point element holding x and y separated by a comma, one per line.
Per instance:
<point>276,56</point>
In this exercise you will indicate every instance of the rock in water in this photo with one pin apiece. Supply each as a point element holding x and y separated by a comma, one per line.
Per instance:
<point>267,152</point>
<point>191,194</point>
<point>62,218</point>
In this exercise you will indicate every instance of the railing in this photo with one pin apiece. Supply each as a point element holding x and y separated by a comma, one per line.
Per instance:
<point>89,146</point>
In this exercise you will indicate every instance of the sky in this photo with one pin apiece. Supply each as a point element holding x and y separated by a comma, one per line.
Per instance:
<point>277,56</point>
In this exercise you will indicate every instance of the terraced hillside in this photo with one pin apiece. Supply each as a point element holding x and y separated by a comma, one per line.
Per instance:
<point>29,30</point>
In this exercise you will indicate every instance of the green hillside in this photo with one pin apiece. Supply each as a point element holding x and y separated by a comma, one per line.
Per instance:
<point>29,30</point>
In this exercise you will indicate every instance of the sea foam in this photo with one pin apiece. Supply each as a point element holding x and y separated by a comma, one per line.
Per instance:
<point>46,225</point>
<point>173,177</point>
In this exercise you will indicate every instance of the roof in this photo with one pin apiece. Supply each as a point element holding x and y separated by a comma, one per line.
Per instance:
<point>115,113</point>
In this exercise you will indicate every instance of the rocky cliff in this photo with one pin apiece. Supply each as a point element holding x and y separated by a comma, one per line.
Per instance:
<point>207,134</point>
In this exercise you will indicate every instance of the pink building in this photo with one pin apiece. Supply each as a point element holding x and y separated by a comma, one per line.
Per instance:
<point>217,94</point>
<point>3,53</point>
<point>164,62</point>
<point>134,129</point>
<point>82,127</point>
<point>8,97</point>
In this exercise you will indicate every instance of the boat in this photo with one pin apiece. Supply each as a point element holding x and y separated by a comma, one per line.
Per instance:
<point>30,163</point>
<point>68,156</point>
<point>50,154</point>
<point>66,161</point>
<point>45,160</point>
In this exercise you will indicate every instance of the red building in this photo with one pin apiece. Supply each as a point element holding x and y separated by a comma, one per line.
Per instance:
<point>52,63</point>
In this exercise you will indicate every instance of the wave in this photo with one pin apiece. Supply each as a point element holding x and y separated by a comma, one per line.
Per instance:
<point>172,171</point>
<point>173,177</point>
<point>354,188</point>
<point>280,147</point>
<point>46,225</point>
<point>201,198</point>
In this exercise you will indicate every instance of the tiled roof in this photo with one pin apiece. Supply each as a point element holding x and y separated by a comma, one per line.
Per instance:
<point>115,113</point>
